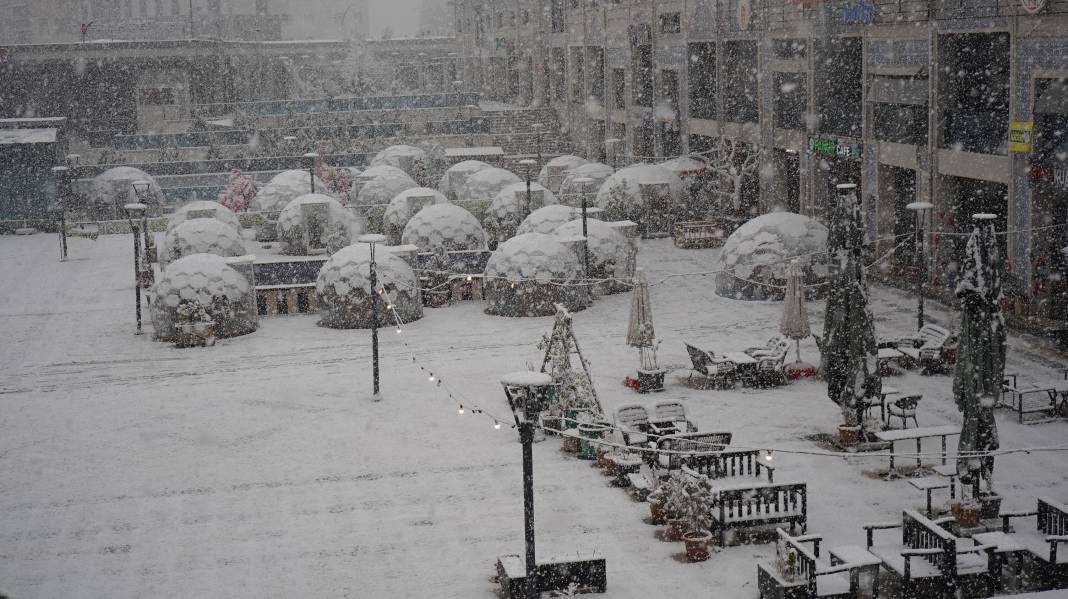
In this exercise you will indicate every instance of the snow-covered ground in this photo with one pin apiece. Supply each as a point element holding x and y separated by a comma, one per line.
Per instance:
<point>259,467</point>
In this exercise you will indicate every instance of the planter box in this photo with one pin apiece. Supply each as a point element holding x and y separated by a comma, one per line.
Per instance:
<point>773,585</point>
<point>589,574</point>
<point>651,380</point>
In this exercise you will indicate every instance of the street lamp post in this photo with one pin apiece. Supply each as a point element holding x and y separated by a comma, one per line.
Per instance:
<point>62,177</point>
<point>133,211</point>
<point>528,169</point>
<point>537,139</point>
<point>526,392</point>
<point>458,85</point>
<point>920,209</point>
<point>372,239</point>
<point>309,163</point>
<point>584,185</point>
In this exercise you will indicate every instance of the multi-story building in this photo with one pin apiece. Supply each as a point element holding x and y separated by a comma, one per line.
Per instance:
<point>61,21</point>
<point>962,103</point>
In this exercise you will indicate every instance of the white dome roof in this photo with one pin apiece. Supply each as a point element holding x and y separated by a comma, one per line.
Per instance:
<point>456,175</point>
<point>403,206</point>
<point>114,187</point>
<point>762,249</point>
<point>202,236</point>
<point>344,287</point>
<point>284,188</point>
<point>547,219</point>
<point>610,252</point>
<point>207,279</point>
<point>444,225</point>
<point>219,212</point>
<point>400,156</point>
<point>534,256</point>
<point>385,170</point>
<point>486,183</point>
<point>336,231</point>
<point>384,188</point>
<point>593,170</point>
<point>567,162</point>
<point>620,194</point>
<point>509,207</point>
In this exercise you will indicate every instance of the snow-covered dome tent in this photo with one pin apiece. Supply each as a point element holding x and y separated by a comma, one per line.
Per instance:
<point>203,209</point>
<point>482,186</point>
<point>113,189</point>
<point>403,206</point>
<point>555,170</point>
<point>207,281</point>
<point>409,159</point>
<point>612,256</point>
<point>509,208</point>
<point>446,226</point>
<point>382,188</point>
<point>687,166</point>
<point>594,170</point>
<point>344,288</point>
<point>528,274</point>
<point>201,236</point>
<point>283,188</point>
<point>757,254</point>
<point>456,176</point>
<point>547,219</point>
<point>649,194</point>
<point>315,222</point>
<point>383,170</point>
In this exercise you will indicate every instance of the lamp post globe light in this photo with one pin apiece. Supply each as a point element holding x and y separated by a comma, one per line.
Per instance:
<point>373,239</point>
<point>308,161</point>
<point>527,394</point>
<point>920,209</point>
<point>528,171</point>
<point>537,139</point>
<point>134,212</point>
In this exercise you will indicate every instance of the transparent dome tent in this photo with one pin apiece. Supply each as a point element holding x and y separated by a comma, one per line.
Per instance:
<point>201,236</point>
<point>756,256</point>
<point>344,290</point>
<point>529,274</point>
<point>206,281</point>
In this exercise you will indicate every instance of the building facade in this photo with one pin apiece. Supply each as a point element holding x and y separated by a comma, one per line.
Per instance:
<point>960,103</point>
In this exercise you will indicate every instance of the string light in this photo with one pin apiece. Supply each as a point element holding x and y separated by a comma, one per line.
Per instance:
<point>398,330</point>
<point>461,410</point>
<point>770,455</point>
<point>496,425</point>
<point>431,377</point>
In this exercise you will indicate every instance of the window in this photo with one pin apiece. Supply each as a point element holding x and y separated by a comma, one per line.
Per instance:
<point>899,109</point>
<point>556,74</point>
<point>557,17</point>
<point>974,92</point>
<point>619,89</point>
<point>596,70</point>
<point>838,85</point>
<point>740,86</point>
<point>788,49</point>
<point>702,80</point>
<point>671,22</point>
<point>642,76</point>
<point>791,100</point>
<point>578,76</point>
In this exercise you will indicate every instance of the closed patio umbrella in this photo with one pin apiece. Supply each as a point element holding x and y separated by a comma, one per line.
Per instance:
<point>794,324</point>
<point>640,333</point>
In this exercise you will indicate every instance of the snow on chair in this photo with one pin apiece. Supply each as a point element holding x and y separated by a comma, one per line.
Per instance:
<point>905,409</point>
<point>715,369</point>
<point>671,415</point>
<point>932,348</point>
<point>632,422</point>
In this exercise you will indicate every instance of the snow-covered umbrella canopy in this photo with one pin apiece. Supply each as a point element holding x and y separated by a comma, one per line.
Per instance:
<point>204,209</point>
<point>208,282</point>
<point>454,178</point>
<point>621,195</point>
<point>594,170</point>
<point>113,189</point>
<point>404,205</point>
<point>686,166</point>
<point>509,207</point>
<point>755,257</point>
<point>980,367</point>
<point>283,189</point>
<point>485,184</point>
<point>554,171</point>
<point>202,236</point>
<point>530,273</point>
<point>344,288</point>
<point>612,257</point>
<point>640,332</point>
<point>444,226</point>
<point>409,159</point>
<point>315,222</point>
<point>794,323</point>
<point>547,219</point>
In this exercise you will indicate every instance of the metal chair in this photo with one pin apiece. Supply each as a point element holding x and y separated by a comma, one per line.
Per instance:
<point>904,409</point>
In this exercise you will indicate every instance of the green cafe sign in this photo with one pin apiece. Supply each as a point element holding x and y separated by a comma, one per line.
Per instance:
<point>831,147</point>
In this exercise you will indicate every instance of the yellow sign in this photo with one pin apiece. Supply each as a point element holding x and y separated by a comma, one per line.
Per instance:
<point>1020,136</point>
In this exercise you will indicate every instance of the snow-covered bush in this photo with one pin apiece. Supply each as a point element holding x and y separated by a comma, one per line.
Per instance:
<point>594,170</point>
<point>223,293</point>
<point>201,236</point>
<point>203,209</point>
<point>528,274</point>
<point>344,288</point>
<point>456,175</point>
<point>313,222</point>
<point>611,255</point>
<point>757,254</point>
<point>560,165</point>
<point>403,206</point>
<point>112,189</point>
<point>623,198</point>
<point>445,226</point>
<point>509,208</point>
<point>547,219</point>
<point>284,188</point>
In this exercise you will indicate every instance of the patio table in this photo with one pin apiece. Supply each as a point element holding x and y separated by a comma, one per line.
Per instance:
<point>919,434</point>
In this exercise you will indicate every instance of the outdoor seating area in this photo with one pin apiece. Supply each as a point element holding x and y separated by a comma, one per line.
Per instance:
<point>760,366</point>
<point>932,349</point>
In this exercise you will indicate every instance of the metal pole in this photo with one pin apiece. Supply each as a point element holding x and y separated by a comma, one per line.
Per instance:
<point>586,243</point>
<point>191,19</point>
<point>526,437</point>
<point>921,271</point>
<point>374,321</point>
<point>137,275</point>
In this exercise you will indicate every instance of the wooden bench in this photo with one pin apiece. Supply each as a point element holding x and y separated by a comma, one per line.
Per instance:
<point>730,463</point>
<point>812,576</point>
<point>1040,544</point>
<point>932,559</point>
<point>752,505</point>
<point>693,442</point>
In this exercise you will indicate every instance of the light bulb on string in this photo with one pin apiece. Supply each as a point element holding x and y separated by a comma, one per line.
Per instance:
<point>461,410</point>
<point>769,456</point>
<point>496,425</point>
<point>431,377</point>
<point>398,330</point>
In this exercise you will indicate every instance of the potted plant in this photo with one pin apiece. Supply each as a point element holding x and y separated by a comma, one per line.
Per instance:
<point>697,505</point>
<point>786,560</point>
<point>674,502</point>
